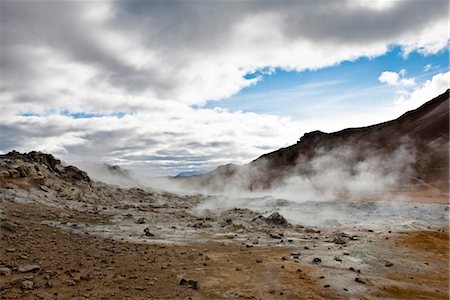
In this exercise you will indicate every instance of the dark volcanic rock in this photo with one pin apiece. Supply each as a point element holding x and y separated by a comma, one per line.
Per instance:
<point>189,283</point>
<point>276,219</point>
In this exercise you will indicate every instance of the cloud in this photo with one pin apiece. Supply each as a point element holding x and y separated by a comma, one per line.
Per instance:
<point>396,79</point>
<point>154,61</point>
<point>438,84</point>
<point>388,77</point>
<point>181,140</point>
<point>98,56</point>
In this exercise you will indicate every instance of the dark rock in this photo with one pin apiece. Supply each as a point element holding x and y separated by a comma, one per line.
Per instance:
<point>8,226</point>
<point>360,280</point>
<point>147,232</point>
<point>316,260</point>
<point>189,283</point>
<point>276,219</point>
<point>140,221</point>
<point>275,236</point>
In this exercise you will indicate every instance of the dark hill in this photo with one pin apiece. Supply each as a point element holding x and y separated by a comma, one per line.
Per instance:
<point>422,133</point>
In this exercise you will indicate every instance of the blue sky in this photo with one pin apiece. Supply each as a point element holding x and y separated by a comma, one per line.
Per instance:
<point>350,84</point>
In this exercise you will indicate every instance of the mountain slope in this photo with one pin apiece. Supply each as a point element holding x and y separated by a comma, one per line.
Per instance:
<point>414,145</point>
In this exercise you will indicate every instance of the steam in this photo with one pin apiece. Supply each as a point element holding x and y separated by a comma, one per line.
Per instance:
<point>312,193</point>
<point>111,174</point>
<point>348,173</point>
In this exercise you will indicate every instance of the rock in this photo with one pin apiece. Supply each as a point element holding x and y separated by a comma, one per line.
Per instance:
<point>141,221</point>
<point>8,226</point>
<point>70,283</point>
<point>28,268</point>
<point>388,264</point>
<point>360,280</point>
<point>337,258</point>
<point>189,283</point>
<point>27,285</point>
<point>339,240</point>
<point>5,271</point>
<point>14,174</point>
<point>276,219</point>
<point>316,260</point>
<point>147,232</point>
<point>275,236</point>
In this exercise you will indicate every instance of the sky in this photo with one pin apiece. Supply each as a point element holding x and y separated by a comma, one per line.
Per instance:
<point>163,87</point>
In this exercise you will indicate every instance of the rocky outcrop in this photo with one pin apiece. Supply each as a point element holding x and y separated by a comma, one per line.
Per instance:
<point>37,165</point>
<point>41,171</point>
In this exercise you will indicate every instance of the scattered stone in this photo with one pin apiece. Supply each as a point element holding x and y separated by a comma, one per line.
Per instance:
<point>388,264</point>
<point>275,236</point>
<point>140,221</point>
<point>71,282</point>
<point>276,219</point>
<point>8,226</point>
<point>147,232</point>
<point>337,258</point>
<point>189,283</point>
<point>85,277</point>
<point>339,240</point>
<point>316,260</point>
<point>27,285</point>
<point>5,271</point>
<point>28,268</point>
<point>360,280</point>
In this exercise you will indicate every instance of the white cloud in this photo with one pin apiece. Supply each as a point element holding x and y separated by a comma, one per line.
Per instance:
<point>154,60</point>
<point>389,77</point>
<point>435,86</point>
<point>396,79</point>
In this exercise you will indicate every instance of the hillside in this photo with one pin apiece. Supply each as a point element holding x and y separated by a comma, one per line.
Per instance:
<point>415,146</point>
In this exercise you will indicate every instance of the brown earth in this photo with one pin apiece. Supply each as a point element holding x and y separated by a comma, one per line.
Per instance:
<point>81,266</point>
